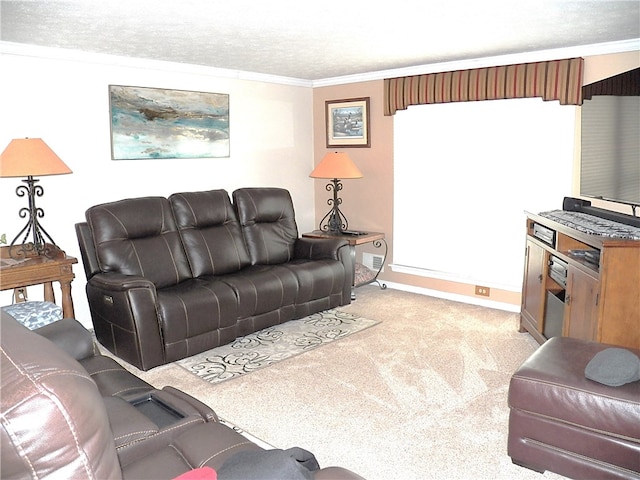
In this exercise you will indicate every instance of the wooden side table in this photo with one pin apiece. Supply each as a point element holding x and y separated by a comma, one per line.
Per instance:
<point>38,269</point>
<point>354,239</point>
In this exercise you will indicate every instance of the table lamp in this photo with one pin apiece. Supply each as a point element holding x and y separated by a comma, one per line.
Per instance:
<point>335,166</point>
<point>31,157</point>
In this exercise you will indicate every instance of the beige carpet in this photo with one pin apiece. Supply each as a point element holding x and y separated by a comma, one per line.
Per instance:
<point>422,395</point>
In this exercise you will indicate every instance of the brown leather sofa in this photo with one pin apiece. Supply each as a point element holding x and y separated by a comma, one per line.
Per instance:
<point>565,423</point>
<point>70,413</point>
<point>169,278</point>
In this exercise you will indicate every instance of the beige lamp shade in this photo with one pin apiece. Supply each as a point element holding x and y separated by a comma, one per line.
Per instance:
<point>30,157</point>
<point>336,165</point>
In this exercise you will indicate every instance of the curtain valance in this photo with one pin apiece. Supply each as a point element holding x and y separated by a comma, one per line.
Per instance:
<point>622,85</point>
<point>552,80</point>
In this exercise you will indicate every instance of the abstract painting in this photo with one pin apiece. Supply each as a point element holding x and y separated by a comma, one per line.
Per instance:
<point>148,123</point>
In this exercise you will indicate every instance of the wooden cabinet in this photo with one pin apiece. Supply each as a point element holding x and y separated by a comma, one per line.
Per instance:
<point>533,293</point>
<point>581,305</point>
<point>599,283</point>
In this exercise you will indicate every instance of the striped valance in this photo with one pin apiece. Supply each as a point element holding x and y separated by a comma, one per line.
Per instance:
<point>553,80</point>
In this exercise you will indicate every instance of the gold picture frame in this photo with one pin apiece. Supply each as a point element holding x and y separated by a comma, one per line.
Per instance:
<point>347,123</point>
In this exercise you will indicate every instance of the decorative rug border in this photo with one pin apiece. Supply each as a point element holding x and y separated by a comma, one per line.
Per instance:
<point>274,344</point>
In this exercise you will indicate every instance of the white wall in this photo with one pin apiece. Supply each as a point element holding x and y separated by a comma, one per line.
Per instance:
<point>65,102</point>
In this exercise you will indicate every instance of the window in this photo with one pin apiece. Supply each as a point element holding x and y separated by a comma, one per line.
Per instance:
<point>465,173</point>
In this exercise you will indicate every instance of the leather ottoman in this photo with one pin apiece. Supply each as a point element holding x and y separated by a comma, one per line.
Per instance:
<point>565,423</point>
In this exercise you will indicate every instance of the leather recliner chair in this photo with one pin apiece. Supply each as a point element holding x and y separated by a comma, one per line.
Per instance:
<point>68,412</point>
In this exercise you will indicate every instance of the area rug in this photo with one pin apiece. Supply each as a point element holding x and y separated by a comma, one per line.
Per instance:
<point>274,344</point>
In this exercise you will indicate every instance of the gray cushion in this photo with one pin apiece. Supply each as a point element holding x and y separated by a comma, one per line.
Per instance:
<point>613,367</point>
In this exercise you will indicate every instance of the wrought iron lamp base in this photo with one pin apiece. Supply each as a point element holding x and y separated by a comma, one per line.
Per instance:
<point>42,243</point>
<point>334,221</point>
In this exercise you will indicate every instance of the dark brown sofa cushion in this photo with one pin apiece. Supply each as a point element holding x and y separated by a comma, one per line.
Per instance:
<point>268,222</point>
<point>196,315</point>
<point>210,232</point>
<point>267,219</point>
<point>138,237</point>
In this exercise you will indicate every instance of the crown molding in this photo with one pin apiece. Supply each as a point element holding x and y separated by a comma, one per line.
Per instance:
<point>62,54</point>
<point>19,49</point>
<point>524,57</point>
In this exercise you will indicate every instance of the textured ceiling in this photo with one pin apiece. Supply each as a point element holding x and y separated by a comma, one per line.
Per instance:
<point>316,40</point>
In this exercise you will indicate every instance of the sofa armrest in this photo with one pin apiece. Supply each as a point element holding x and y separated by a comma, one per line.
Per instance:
<point>69,335</point>
<point>119,282</point>
<point>125,318</point>
<point>329,249</point>
<point>204,410</point>
<point>146,424</point>
<point>318,248</point>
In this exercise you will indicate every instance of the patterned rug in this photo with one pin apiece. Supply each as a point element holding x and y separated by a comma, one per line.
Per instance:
<point>274,344</point>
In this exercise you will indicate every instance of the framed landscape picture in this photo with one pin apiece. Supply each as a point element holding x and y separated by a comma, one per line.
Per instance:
<point>148,123</point>
<point>347,122</point>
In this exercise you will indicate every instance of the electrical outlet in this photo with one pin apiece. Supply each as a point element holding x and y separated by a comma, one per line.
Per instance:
<point>482,291</point>
<point>20,295</point>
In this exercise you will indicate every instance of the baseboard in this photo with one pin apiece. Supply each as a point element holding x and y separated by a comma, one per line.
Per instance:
<point>456,297</point>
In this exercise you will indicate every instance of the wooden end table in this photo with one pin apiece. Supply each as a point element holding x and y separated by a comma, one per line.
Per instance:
<point>354,239</point>
<point>36,270</point>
